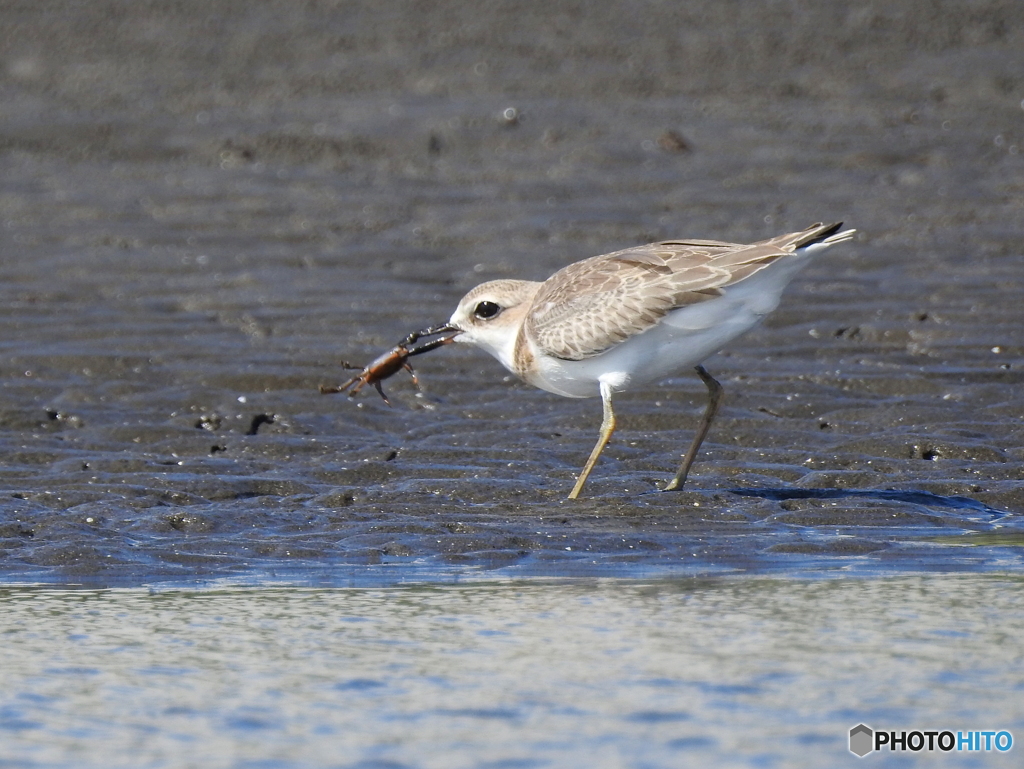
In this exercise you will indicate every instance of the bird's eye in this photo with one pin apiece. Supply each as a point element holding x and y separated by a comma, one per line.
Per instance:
<point>486,310</point>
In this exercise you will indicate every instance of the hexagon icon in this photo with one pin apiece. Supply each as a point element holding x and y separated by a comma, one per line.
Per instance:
<point>861,739</point>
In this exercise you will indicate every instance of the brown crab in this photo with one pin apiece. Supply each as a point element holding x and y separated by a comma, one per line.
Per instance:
<point>393,361</point>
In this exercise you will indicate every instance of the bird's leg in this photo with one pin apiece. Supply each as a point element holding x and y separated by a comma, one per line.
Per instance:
<point>715,393</point>
<point>607,428</point>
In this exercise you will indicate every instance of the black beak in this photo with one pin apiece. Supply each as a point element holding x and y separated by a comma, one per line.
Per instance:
<point>445,334</point>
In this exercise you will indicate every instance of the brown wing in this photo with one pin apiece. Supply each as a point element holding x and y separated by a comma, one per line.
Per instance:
<point>592,305</point>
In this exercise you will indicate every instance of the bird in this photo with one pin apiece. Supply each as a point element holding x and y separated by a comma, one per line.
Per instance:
<point>618,321</point>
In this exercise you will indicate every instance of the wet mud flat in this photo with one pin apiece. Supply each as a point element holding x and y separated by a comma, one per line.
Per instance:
<point>192,243</point>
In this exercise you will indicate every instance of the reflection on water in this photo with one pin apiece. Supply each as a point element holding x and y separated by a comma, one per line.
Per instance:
<point>601,673</point>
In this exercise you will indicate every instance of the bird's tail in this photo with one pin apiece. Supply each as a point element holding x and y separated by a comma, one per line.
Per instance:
<point>817,236</point>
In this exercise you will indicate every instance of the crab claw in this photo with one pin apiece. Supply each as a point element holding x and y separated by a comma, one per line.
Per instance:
<point>439,331</point>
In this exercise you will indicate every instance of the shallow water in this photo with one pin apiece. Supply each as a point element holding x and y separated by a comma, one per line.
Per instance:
<point>597,673</point>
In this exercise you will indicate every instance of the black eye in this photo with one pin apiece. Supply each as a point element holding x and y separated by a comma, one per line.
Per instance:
<point>486,310</point>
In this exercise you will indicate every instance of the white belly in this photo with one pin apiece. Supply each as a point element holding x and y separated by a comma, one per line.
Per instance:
<point>682,339</point>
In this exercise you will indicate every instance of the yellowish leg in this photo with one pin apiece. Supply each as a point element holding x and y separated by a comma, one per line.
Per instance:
<point>715,393</point>
<point>607,428</point>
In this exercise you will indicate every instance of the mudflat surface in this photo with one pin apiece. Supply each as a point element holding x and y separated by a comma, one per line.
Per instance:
<point>204,209</point>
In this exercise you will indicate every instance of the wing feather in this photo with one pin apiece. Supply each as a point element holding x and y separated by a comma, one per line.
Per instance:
<point>589,306</point>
